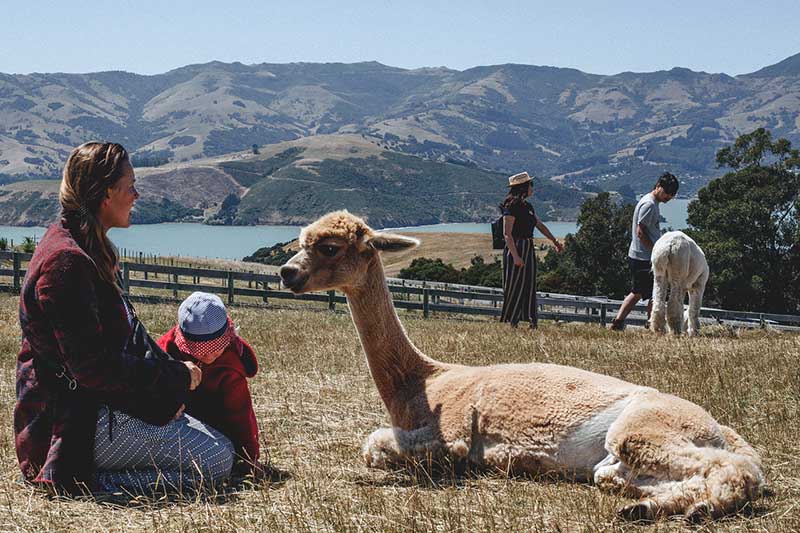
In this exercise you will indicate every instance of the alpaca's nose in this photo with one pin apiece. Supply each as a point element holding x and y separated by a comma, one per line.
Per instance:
<point>291,278</point>
<point>288,273</point>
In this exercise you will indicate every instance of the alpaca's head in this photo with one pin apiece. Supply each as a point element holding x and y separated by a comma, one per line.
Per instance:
<point>336,252</point>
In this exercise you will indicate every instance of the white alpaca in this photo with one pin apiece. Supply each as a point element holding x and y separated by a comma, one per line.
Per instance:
<point>667,452</point>
<point>680,265</point>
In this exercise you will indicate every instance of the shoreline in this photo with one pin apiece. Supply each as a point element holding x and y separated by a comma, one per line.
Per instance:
<point>409,227</point>
<point>189,223</point>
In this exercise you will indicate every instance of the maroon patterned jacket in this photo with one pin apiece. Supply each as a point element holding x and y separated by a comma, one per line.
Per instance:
<point>71,319</point>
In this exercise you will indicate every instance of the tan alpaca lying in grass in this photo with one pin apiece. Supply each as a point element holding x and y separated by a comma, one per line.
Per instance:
<point>538,418</point>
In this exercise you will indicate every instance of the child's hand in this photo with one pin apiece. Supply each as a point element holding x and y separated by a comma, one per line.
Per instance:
<point>195,372</point>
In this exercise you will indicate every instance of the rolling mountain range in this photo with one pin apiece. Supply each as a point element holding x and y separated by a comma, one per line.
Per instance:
<point>585,131</point>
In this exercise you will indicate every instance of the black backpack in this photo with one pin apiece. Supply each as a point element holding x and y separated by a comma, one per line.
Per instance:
<point>498,240</point>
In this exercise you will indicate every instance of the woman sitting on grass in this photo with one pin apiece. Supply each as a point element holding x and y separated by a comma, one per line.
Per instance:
<point>98,405</point>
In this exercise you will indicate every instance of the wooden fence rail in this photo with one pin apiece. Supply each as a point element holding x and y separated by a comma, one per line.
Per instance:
<point>427,297</point>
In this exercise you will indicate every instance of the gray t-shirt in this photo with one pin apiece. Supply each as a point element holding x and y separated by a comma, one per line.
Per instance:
<point>647,214</point>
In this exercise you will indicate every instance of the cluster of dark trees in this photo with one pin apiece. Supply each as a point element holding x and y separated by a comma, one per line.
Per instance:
<point>28,245</point>
<point>478,273</point>
<point>275,255</point>
<point>747,222</point>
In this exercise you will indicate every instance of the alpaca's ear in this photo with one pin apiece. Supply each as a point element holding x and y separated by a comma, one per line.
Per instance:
<point>390,242</point>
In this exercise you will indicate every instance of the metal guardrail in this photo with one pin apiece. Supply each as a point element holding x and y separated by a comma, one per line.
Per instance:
<point>428,297</point>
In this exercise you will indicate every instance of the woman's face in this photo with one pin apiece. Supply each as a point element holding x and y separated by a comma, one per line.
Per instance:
<point>115,210</point>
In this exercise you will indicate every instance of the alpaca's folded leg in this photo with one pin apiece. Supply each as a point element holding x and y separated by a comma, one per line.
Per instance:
<point>672,474</point>
<point>721,483</point>
<point>611,474</point>
<point>395,447</point>
<point>381,449</point>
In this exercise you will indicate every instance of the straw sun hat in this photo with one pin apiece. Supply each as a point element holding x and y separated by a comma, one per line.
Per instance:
<point>519,179</point>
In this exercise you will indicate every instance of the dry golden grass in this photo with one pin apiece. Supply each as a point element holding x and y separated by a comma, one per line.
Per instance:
<point>316,402</point>
<point>455,248</point>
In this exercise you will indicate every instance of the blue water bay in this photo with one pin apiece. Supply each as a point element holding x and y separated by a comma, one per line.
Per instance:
<point>235,242</point>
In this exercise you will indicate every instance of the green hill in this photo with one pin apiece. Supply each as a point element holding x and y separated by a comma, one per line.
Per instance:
<point>295,182</point>
<point>389,188</point>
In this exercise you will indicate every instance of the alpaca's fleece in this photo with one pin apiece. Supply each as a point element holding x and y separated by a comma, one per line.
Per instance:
<point>537,418</point>
<point>338,224</point>
<point>680,265</point>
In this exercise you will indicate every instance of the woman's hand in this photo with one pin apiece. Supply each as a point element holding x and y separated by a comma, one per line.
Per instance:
<point>195,372</point>
<point>179,412</point>
<point>518,262</point>
<point>558,246</point>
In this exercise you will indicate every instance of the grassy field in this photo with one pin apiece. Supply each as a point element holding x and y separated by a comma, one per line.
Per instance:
<point>316,402</point>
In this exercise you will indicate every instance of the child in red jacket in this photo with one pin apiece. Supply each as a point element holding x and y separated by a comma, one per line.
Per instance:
<point>206,336</point>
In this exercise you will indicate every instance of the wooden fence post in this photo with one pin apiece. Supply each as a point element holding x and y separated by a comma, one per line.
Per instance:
<point>230,286</point>
<point>126,277</point>
<point>16,261</point>
<point>332,300</point>
<point>426,311</point>
<point>603,315</point>
<point>175,285</point>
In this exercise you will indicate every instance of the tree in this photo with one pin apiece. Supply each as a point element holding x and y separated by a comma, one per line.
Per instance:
<point>482,273</point>
<point>3,243</point>
<point>276,255</point>
<point>255,149</point>
<point>594,260</point>
<point>750,149</point>
<point>28,245</point>
<point>426,269</point>
<point>748,224</point>
<point>479,272</point>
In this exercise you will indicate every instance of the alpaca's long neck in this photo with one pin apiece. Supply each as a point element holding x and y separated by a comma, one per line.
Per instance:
<point>396,365</point>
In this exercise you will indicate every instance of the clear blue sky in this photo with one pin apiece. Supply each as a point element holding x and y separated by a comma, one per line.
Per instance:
<point>604,37</point>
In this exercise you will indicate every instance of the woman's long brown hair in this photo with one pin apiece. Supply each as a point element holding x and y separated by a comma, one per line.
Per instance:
<point>515,195</point>
<point>92,169</point>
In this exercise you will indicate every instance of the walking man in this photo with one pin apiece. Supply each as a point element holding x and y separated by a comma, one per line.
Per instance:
<point>645,231</point>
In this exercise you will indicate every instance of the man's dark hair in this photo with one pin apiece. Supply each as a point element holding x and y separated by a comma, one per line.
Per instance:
<point>668,182</point>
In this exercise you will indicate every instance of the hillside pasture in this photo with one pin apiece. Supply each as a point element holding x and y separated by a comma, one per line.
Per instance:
<point>316,403</point>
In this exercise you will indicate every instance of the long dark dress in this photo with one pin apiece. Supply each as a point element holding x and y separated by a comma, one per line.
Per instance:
<point>519,283</point>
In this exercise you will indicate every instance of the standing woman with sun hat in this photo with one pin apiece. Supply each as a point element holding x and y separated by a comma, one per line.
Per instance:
<point>93,410</point>
<point>519,256</point>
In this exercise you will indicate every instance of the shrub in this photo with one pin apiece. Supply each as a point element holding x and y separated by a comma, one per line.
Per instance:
<point>425,269</point>
<point>270,255</point>
<point>478,273</point>
<point>28,245</point>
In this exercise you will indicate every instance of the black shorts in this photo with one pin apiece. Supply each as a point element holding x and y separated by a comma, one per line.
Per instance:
<point>641,277</point>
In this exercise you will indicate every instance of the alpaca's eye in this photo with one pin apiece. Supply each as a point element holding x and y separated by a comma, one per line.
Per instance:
<point>328,250</point>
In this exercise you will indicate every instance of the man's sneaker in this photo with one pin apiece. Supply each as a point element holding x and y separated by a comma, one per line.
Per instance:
<point>617,325</point>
